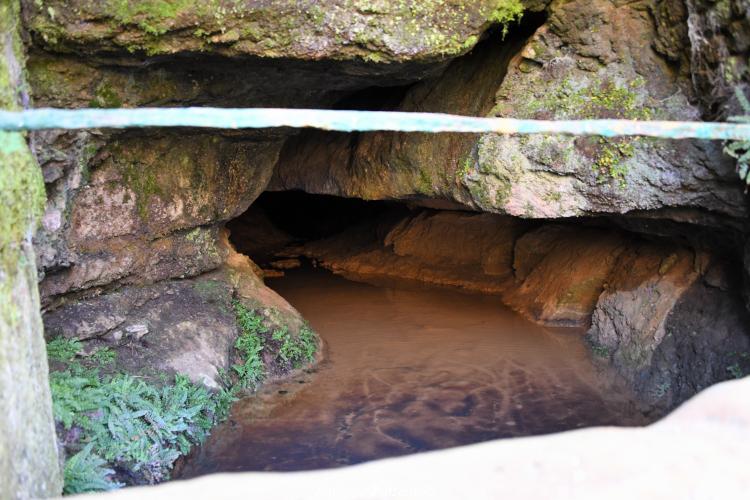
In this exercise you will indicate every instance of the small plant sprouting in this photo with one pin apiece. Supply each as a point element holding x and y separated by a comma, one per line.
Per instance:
<point>740,150</point>
<point>464,168</point>
<point>735,370</point>
<point>297,350</point>
<point>600,351</point>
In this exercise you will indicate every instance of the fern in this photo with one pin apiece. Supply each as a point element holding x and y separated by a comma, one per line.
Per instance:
<point>296,350</point>
<point>127,421</point>
<point>104,356</point>
<point>62,349</point>
<point>309,343</point>
<point>250,346</point>
<point>740,150</point>
<point>86,471</point>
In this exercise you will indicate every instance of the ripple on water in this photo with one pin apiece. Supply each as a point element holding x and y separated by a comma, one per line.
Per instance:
<point>411,370</point>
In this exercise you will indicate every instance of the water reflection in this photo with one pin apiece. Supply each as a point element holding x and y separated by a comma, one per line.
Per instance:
<point>409,371</point>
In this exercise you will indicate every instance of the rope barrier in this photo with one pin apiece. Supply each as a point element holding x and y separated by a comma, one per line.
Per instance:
<point>357,121</point>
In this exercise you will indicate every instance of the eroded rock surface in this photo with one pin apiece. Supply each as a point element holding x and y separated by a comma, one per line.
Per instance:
<point>185,326</point>
<point>668,312</point>
<point>588,60</point>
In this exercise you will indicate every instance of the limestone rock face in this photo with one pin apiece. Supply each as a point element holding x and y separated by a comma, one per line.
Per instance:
<point>561,272</point>
<point>719,49</point>
<point>150,209</point>
<point>184,326</point>
<point>469,251</point>
<point>135,208</point>
<point>596,60</point>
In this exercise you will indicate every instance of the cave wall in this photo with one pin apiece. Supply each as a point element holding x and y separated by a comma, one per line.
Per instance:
<point>29,464</point>
<point>135,218</point>
<point>130,213</point>
<point>666,315</point>
<point>600,59</point>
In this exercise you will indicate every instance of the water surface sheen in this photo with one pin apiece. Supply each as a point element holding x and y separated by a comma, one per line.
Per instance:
<point>410,370</point>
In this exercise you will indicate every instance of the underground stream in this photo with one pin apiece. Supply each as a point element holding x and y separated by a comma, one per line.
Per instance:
<point>409,368</point>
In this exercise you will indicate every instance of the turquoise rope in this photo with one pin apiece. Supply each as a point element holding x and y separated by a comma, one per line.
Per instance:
<point>360,121</point>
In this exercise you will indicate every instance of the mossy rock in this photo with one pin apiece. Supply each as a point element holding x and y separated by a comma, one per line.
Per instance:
<point>376,31</point>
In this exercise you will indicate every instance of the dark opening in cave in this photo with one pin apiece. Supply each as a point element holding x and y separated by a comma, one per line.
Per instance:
<point>281,219</point>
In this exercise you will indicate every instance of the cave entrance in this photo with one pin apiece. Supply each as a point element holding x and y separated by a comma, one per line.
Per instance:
<point>408,368</point>
<point>281,223</point>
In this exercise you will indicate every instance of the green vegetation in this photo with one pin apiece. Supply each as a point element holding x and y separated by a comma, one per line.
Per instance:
<point>144,183</point>
<point>597,99</point>
<point>600,351</point>
<point>464,168</point>
<point>735,370</point>
<point>507,12</point>
<point>662,389</point>
<point>62,349</point>
<point>609,163</point>
<point>151,16</point>
<point>742,361</point>
<point>358,28</point>
<point>250,345</point>
<point>86,471</point>
<point>105,97</point>
<point>22,200</point>
<point>121,422</point>
<point>296,350</point>
<point>117,426</point>
<point>740,150</point>
<point>256,338</point>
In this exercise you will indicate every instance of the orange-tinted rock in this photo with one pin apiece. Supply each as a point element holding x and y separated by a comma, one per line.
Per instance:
<point>456,249</point>
<point>562,271</point>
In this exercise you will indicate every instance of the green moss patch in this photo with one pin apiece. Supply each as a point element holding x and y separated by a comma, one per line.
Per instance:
<point>22,200</point>
<point>598,99</point>
<point>375,31</point>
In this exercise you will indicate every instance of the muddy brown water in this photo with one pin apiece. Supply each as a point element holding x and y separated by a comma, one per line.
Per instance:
<point>410,370</point>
